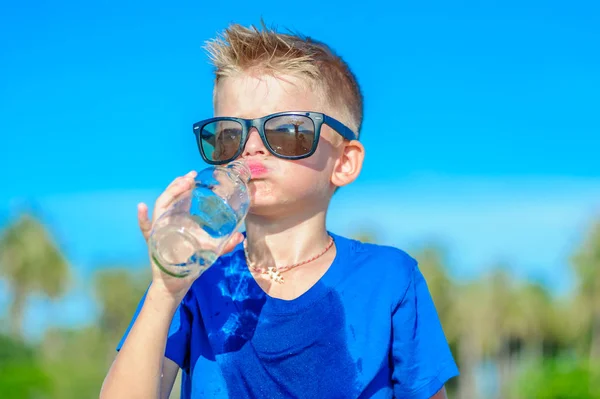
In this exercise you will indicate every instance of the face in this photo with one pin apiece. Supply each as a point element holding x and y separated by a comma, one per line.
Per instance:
<point>281,186</point>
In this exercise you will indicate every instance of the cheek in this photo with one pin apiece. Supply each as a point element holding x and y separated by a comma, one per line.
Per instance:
<point>321,161</point>
<point>306,176</point>
<point>292,180</point>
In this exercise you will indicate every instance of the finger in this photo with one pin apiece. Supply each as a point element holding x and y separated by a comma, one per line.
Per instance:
<point>188,178</point>
<point>176,186</point>
<point>143,221</point>
<point>173,191</point>
<point>235,239</point>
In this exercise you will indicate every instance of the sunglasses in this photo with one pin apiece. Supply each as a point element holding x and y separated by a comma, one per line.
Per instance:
<point>287,135</point>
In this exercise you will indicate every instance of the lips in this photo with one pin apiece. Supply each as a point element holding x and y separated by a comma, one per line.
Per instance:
<point>257,169</point>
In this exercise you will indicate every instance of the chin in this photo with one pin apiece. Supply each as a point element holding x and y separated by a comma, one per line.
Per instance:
<point>267,211</point>
<point>272,200</point>
<point>271,205</point>
<point>263,206</point>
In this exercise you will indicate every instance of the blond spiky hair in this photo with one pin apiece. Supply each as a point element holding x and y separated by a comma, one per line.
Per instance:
<point>240,49</point>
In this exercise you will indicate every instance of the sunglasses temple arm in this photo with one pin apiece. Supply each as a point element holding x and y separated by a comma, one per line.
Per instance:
<point>339,127</point>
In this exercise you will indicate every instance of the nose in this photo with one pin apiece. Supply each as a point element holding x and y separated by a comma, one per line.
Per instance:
<point>254,145</point>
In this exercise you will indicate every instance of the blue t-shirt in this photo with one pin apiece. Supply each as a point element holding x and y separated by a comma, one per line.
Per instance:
<point>367,329</point>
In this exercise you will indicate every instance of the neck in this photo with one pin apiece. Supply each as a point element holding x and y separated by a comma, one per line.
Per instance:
<point>286,240</point>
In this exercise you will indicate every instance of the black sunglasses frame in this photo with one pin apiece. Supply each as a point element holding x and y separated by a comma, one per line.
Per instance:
<point>317,118</point>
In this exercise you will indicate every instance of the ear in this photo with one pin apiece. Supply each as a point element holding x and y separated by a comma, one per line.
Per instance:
<point>349,163</point>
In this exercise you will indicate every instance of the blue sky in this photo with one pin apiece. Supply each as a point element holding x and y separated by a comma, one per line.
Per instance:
<point>481,122</point>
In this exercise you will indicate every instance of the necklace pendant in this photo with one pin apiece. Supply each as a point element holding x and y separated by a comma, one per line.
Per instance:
<point>275,275</point>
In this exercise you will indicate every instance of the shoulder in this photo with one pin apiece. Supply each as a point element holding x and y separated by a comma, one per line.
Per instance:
<point>385,258</point>
<point>382,264</point>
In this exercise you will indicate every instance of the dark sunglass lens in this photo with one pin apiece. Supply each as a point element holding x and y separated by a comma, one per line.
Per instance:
<point>221,140</point>
<point>290,135</point>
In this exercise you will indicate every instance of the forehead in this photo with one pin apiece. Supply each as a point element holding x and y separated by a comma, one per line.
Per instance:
<point>253,96</point>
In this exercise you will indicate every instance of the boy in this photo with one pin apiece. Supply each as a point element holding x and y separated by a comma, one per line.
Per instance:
<point>291,310</point>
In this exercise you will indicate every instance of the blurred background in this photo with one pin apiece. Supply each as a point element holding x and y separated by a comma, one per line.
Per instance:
<point>482,136</point>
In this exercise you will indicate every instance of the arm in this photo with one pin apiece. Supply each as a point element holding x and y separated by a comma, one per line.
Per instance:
<point>170,370</point>
<point>441,394</point>
<point>137,368</point>
<point>140,369</point>
<point>161,324</point>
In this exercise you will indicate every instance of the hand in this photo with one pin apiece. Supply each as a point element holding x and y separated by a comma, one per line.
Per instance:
<point>173,286</point>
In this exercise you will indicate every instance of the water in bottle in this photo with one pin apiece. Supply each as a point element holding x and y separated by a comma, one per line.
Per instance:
<point>189,237</point>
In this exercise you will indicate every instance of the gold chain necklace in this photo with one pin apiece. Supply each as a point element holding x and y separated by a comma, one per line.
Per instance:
<point>274,272</point>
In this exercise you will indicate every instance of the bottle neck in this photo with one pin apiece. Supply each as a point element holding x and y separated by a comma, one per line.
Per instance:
<point>241,169</point>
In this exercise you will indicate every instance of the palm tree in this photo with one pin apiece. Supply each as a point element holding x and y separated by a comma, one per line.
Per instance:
<point>478,321</point>
<point>118,292</point>
<point>30,262</point>
<point>586,263</point>
<point>502,321</point>
<point>468,330</point>
<point>433,265</point>
<point>531,318</point>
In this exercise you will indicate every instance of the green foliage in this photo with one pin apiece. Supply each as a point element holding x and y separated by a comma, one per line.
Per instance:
<point>495,318</point>
<point>366,236</point>
<point>31,260</point>
<point>118,292</point>
<point>31,263</point>
<point>586,263</point>
<point>21,374</point>
<point>563,378</point>
<point>76,361</point>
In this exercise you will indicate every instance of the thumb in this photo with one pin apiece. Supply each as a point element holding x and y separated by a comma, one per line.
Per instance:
<point>143,221</point>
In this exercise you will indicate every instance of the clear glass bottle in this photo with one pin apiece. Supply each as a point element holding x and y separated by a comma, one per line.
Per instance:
<point>190,235</point>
